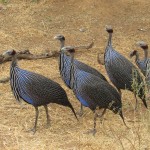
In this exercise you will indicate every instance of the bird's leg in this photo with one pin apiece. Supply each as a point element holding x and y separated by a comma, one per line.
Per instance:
<point>121,115</point>
<point>102,114</point>
<point>80,113</point>
<point>47,115</point>
<point>36,118</point>
<point>93,131</point>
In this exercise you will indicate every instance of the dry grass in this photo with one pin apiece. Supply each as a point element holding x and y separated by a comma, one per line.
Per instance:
<point>30,25</point>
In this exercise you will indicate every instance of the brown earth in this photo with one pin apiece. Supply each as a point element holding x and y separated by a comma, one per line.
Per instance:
<point>25,24</point>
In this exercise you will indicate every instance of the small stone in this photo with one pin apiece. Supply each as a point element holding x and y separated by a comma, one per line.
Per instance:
<point>141,29</point>
<point>82,30</point>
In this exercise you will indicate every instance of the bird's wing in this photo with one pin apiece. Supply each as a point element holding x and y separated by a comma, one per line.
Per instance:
<point>95,91</point>
<point>37,89</point>
<point>119,69</point>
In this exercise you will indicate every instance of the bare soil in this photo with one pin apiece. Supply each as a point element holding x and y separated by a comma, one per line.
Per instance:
<point>26,24</point>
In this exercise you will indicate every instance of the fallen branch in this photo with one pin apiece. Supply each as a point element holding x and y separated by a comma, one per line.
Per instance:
<point>4,80</point>
<point>26,54</point>
<point>85,46</point>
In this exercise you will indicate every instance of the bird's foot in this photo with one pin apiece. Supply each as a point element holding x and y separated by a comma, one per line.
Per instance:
<point>101,120</point>
<point>48,124</point>
<point>80,113</point>
<point>93,131</point>
<point>33,130</point>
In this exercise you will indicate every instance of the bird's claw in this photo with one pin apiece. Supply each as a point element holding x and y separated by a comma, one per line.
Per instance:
<point>48,124</point>
<point>93,131</point>
<point>33,130</point>
<point>80,113</point>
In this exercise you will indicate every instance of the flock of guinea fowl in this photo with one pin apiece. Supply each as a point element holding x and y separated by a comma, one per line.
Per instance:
<point>89,86</point>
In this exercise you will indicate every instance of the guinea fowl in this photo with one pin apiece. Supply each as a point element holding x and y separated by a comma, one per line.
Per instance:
<point>35,89</point>
<point>93,91</point>
<point>122,72</point>
<point>65,65</point>
<point>140,63</point>
<point>146,61</point>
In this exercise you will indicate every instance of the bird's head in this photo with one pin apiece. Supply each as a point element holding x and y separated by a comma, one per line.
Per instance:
<point>9,53</point>
<point>133,53</point>
<point>109,29</point>
<point>59,37</point>
<point>68,50</point>
<point>142,44</point>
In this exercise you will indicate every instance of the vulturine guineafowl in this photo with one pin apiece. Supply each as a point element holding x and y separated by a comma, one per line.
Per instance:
<point>143,62</point>
<point>93,91</point>
<point>140,63</point>
<point>146,62</point>
<point>144,46</point>
<point>35,89</point>
<point>122,72</point>
<point>65,65</point>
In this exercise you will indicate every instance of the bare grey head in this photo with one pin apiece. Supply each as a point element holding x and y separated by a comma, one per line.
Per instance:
<point>59,37</point>
<point>142,44</point>
<point>9,53</point>
<point>109,29</point>
<point>68,49</point>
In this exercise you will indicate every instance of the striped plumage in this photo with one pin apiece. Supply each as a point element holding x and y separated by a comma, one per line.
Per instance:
<point>140,63</point>
<point>148,74</point>
<point>64,66</point>
<point>146,62</point>
<point>93,91</point>
<point>35,89</point>
<point>120,71</point>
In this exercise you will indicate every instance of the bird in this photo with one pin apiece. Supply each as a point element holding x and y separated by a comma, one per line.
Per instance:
<point>122,73</point>
<point>35,89</point>
<point>64,67</point>
<point>93,91</point>
<point>144,46</point>
<point>146,62</point>
<point>143,63</point>
<point>140,63</point>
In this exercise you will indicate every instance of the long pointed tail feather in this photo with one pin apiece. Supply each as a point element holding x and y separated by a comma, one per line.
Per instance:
<point>121,115</point>
<point>70,106</point>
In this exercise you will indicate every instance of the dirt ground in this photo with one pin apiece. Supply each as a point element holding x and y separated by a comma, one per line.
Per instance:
<point>26,24</point>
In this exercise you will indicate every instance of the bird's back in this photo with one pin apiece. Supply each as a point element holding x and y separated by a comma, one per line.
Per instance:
<point>95,91</point>
<point>119,69</point>
<point>37,89</point>
<point>65,73</point>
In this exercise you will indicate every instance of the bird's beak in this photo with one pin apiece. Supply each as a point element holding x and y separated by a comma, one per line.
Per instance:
<point>4,54</point>
<point>55,37</point>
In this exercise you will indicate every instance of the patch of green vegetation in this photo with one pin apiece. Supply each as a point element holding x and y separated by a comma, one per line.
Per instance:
<point>49,19</point>
<point>4,1</point>
<point>138,88</point>
<point>35,1</point>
